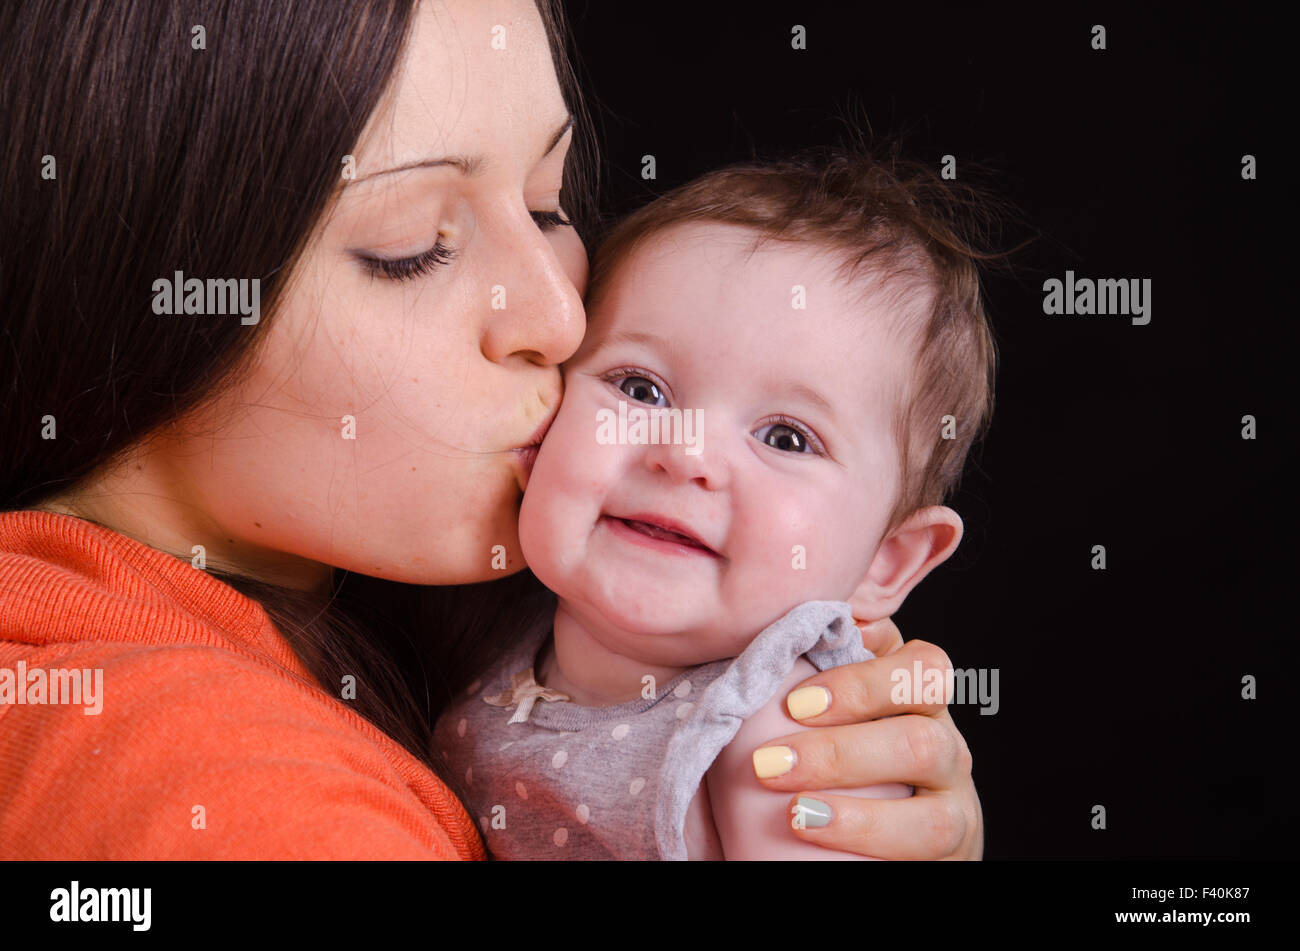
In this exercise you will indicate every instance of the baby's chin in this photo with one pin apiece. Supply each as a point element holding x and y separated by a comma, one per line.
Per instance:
<point>659,632</point>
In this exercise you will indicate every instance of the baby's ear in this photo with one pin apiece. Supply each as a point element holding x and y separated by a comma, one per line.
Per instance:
<point>924,540</point>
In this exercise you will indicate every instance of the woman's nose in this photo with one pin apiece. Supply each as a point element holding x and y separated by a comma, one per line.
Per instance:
<point>535,311</point>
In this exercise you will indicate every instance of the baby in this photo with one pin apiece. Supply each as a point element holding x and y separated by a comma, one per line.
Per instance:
<point>784,368</point>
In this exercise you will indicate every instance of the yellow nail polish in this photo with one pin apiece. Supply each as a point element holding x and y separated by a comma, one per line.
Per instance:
<point>770,761</point>
<point>808,702</point>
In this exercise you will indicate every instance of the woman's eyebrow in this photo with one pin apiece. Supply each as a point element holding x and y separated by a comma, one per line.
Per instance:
<point>559,134</point>
<point>467,165</point>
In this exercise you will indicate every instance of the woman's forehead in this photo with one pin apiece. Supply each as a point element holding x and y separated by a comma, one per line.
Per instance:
<point>476,82</point>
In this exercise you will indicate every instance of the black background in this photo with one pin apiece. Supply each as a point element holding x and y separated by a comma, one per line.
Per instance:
<point>1119,687</point>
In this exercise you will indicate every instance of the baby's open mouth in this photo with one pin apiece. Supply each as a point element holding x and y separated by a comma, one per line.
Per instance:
<point>661,532</point>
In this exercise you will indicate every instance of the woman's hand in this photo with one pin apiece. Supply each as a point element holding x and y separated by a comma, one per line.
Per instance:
<point>864,739</point>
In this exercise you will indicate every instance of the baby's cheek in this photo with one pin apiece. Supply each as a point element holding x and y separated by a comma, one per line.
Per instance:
<point>789,538</point>
<point>560,503</point>
<point>531,534</point>
<point>795,551</point>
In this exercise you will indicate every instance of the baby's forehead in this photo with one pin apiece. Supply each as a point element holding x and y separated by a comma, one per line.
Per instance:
<point>746,266</point>
<point>727,248</point>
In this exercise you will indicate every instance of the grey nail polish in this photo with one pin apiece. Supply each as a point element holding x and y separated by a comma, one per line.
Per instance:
<point>815,812</point>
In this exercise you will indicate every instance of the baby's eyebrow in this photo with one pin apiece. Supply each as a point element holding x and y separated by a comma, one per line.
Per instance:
<point>665,346</point>
<point>804,392</point>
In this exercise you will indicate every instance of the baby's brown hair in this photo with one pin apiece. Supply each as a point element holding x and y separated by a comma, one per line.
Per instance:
<point>897,223</point>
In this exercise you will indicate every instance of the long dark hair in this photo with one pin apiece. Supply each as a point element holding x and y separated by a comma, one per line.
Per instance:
<point>218,161</point>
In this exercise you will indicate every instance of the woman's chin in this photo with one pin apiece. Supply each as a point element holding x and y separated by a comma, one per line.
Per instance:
<point>453,572</point>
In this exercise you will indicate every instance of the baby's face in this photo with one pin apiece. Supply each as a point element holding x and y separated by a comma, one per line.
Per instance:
<point>793,470</point>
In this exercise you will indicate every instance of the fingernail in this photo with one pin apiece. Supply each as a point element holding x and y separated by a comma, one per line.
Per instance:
<point>808,702</point>
<point>770,761</point>
<point>810,813</point>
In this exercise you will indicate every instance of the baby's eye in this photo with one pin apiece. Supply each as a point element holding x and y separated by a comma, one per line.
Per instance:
<point>642,390</point>
<point>787,438</point>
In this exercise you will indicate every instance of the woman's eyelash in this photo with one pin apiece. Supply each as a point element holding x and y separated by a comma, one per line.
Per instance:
<point>549,220</point>
<point>405,269</point>
<point>811,438</point>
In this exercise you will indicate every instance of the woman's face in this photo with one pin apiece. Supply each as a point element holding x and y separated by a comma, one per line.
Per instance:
<point>432,308</point>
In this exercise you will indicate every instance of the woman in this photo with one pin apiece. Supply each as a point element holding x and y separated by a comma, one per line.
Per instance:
<point>391,177</point>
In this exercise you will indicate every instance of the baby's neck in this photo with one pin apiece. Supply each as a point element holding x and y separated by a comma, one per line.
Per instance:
<point>578,664</point>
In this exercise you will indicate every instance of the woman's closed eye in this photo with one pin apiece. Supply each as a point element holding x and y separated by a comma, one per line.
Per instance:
<point>407,269</point>
<point>550,220</point>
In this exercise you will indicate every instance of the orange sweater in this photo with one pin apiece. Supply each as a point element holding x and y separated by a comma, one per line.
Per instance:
<point>213,741</point>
